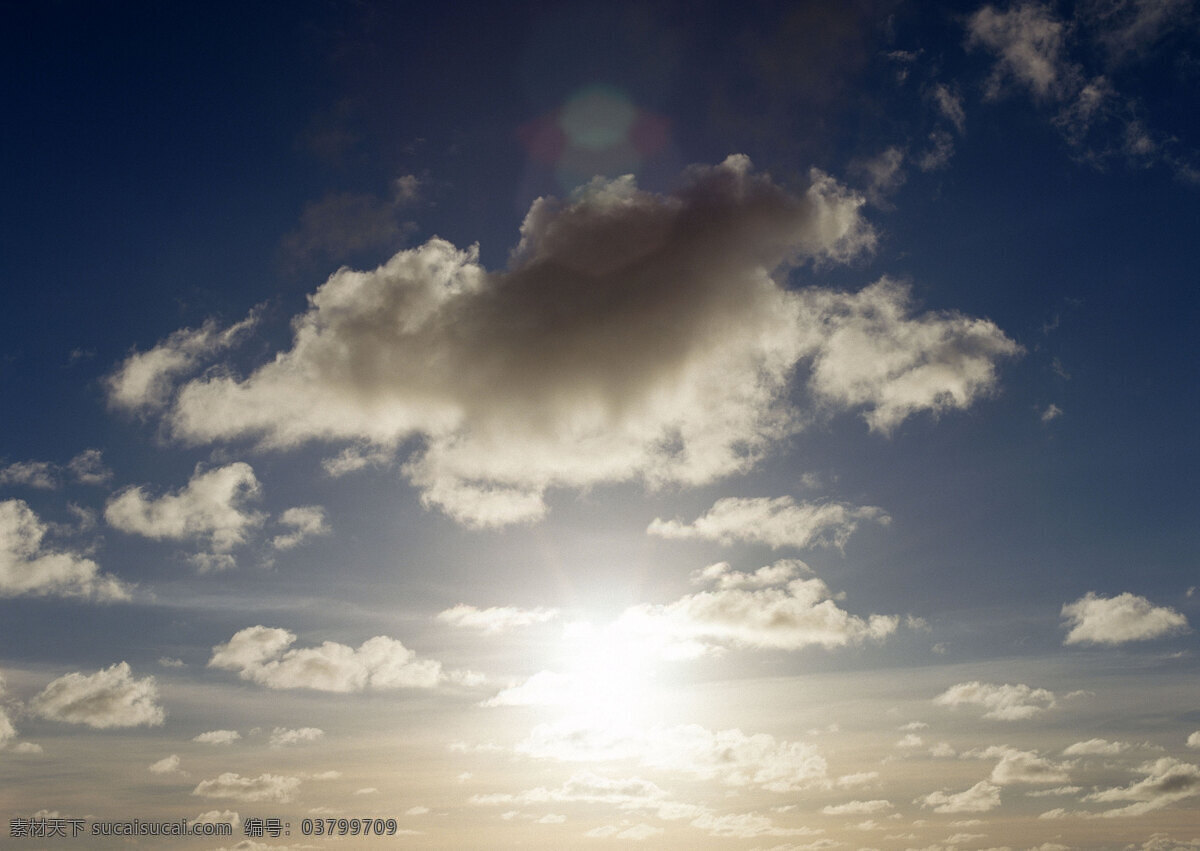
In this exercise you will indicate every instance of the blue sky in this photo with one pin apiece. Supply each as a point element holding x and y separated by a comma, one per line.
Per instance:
<point>662,425</point>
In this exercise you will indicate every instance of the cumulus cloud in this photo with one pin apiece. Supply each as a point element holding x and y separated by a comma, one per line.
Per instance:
<point>1003,702</point>
<point>260,654</point>
<point>1193,741</point>
<point>980,798</point>
<point>634,336</point>
<point>495,619</point>
<point>857,808</point>
<point>1116,620</point>
<point>34,474</point>
<point>1167,781</point>
<point>305,521</point>
<point>211,508</point>
<point>794,614</point>
<point>1018,766</point>
<point>144,381</point>
<point>274,788</point>
<point>108,698</point>
<point>779,522</point>
<point>27,566</point>
<point>218,737</point>
<point>282,736</point>
<point>7,731</point>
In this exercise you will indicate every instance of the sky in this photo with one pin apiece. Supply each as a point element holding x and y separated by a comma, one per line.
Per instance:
<point>566,425</point>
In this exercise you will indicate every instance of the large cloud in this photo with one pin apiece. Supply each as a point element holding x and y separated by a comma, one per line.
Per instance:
<point>107,698</point>
<point>260,654</point>
<point>633,336</point>
<point>1116,620</point>
<point>776,522</point>
<point>796,613</point>
<point>211,508</point>
<point>27,566</point>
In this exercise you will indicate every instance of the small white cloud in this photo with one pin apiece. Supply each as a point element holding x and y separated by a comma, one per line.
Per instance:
<point>950,104</point>
<point>88,467</point>
<point>260,654</point>
<point>210,508</point>
<point>28,567</point>
<point>1193,741</point>
<point>857,808</point>
<point>109,698</point>
<point>1018,766</point>
<point>1003,702</point>
<point>980,798</point>
<point>1052,412</point>
<point>779,522</point>
<point>170,662</point>
<point>1095,747</point>
<point>145,380</point>
<point>367,790</point>
<point>167,765</point>
<point>273,788</point>
<point>1116,620</point>
<point>306,521</point>
<point>218,737</point>
<point>26,747</point>
<point>495,619</point>
<point>217,817</point>
<point>35,474</point>
<point>1028,41</point>
<point>416,811</point>
<point>282,736</point>
<point>912,740</point>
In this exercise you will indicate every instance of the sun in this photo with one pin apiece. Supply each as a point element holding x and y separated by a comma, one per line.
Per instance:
<point>609,677</point>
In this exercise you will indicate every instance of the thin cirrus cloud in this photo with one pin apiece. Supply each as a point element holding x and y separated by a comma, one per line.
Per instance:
<point>1007,702</point>
<point>109,698</point>
<point>261,654</point>
<point>794,614</point>
<point>665,354</point>
<point>28,566</point>
<point>1117,620</point>
<point>779,522</point>
<point>495,619</point>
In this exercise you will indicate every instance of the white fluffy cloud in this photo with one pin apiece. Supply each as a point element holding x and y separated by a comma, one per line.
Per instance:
<point>1003,702</point>
<point>143,382</point>
<point>634,336</point>
<point>260,654</point>
<point>305,521</point>
<point>282,736</point>
<point>278,789</point>
<point>210,508</point>
<point>779,522</point>
<point>218,737</point>
<point>27,566</point>
<point>1018,766</point>
<point>108,698</point>
<point>980,798</point>
<point>1167,781</point>
<point>1116,620</point>
<point>800,613</point>
<point>495,619</point>
<point>167,765</point>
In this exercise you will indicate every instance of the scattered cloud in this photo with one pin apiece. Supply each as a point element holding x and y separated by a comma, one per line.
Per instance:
<point>282,736</point>
<point>1193,740</point>
<point>306,521</point>
<point>34,474</point>
<point>980,798</point>
<point>106,699</point>
<point>260,654</point>
<point>857,808</point>
<point>343,224</point>
<point>211,508</point>
<point>1095,747</point>
<point>1018,766</point>
<point>779,522</point>
<point>167,765</point>
<point>1051,412</point>
<point>561,400</point>
<point>1003,702</point>
<point>144,381</point>
<point>1116,620</point>
<point>27,566</point>
<point>218,737</point>
<point>1028,41</point>
<point>1167,781</point>
<point>800,613</point>
<point>274,788</point>
<point>495,619</point>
